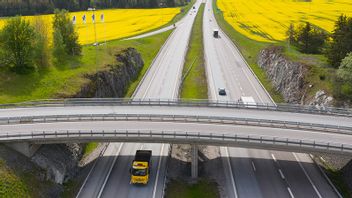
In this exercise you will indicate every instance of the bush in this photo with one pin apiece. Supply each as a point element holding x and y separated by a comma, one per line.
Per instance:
<point>18,43</point>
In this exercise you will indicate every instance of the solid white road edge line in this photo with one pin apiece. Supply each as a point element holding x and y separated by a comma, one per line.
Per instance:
<point>281,174</point>
<point>110,169</point>
<point>253,166</point>
<point>305,172</point>
<point>290,192</point>
<point>157,173</point>
<point>230,170</point>
<point>91,170</point>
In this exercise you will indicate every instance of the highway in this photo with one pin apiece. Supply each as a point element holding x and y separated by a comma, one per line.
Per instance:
<point>161,81</point>
<point>256,173</point>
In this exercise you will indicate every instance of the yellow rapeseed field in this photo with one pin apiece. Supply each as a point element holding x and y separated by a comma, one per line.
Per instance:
<point>268,20</point>
<point>118,23</point>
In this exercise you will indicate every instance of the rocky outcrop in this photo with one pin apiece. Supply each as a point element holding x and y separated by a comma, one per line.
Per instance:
<point>59,160</point>
<point>286,76</point>
<point>321,99</point>
<point>114,80</point>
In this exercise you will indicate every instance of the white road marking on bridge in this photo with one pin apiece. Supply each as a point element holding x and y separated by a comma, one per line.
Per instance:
<point>281,174</point>
<point>110,169</point>
<point>157,173</point>
<point>290,192</point>
<point>309,179</point>
<point>253,166</point>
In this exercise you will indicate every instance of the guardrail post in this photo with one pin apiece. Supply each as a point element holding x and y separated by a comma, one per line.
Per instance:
<point>194,162</point>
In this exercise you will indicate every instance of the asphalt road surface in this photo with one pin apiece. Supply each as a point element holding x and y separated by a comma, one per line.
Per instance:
<point>256,173</point>
<point>161,81</point>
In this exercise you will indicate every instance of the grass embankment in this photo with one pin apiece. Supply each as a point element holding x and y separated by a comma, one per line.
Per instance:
<point>202,189</point>
<point>336,177</point>
<point>194,85</point>
<point>65,80</point>
<point>319,75</point>
<point>250,50</point>
<point>16,183</point>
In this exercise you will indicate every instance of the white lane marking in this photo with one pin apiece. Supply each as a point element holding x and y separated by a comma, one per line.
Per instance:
<point>91,170</point>
<point>253,166</point>
<point>274,158</point>
<point>157,173</point>
<point>110,169</point>
<point>231,174</point>
<point>281,174</point>
<point>309,179</point>
<point>290,192</point>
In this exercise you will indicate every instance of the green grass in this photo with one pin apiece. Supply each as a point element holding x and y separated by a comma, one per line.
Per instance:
<point>203,189</point>
<point>20,183</point>
<point>65,80</point>
<point>89,148</point>
<point>336,178</point>
<point>250,50</point>
<point>194,85</point>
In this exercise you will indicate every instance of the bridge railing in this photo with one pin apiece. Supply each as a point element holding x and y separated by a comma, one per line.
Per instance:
<point>180,118</point>
<point>174,137</point>
<point>181,102</point>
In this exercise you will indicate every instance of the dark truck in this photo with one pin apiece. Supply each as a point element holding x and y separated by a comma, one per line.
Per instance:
<point>141,166</point>
<point>216,33</point>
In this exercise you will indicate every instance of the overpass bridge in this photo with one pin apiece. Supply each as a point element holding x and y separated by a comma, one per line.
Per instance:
<point>279,127</point>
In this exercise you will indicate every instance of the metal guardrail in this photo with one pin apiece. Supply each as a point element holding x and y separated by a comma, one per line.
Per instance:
<point>179,118</point>
<point>181,102</point>
<point>174,137</point>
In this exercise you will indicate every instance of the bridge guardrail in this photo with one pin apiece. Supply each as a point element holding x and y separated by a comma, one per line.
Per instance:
<point>171,137</point>
<point>181,102</point>
<point>179,118</point>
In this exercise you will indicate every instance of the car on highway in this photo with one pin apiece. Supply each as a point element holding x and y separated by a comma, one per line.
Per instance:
<point>222,91</point>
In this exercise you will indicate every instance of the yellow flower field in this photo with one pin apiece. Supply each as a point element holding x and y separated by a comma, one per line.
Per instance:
<point>118,23</point>
<point>268,20</point>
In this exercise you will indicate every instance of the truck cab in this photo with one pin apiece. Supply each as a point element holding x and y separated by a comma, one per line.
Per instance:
<point>140,169</point>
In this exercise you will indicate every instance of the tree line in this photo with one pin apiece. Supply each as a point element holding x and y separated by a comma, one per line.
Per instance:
<point>34,7</point>
<point>337,48</point>
<point>25,47</point>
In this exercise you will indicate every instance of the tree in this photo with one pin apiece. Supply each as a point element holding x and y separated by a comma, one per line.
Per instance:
<point>64,31</point>
<point>18,40</point>
<point>341,41</point>
<point>291,34</point>
<point>309,39</point>
<point>345,70</point>
<point>41,51</point>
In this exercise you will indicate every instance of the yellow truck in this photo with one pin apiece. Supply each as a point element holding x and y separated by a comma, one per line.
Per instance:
<point>141,167</point>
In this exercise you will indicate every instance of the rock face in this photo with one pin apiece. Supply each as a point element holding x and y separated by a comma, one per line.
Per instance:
<point>113,81</point>
<point>286,76</point>
<point>61,160</point>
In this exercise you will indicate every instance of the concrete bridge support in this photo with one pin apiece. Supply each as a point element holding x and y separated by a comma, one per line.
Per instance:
<point>25,148</point>
<point>194,162</point>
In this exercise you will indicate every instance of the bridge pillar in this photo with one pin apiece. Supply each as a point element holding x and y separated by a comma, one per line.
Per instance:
<point>194,162</point>
<point>24,148</point>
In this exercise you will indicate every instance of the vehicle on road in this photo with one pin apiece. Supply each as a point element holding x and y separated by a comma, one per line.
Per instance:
<point>247,101</point>
<point>194,7</point>
<point>216,33</point>
<point>140,169</point>
<point>222,91</point>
